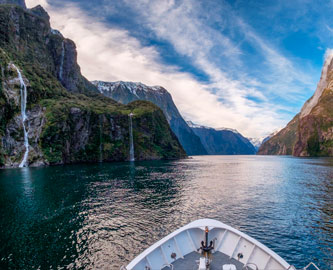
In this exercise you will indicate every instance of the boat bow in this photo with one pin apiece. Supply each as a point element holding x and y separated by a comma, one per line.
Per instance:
<point>182,250</point>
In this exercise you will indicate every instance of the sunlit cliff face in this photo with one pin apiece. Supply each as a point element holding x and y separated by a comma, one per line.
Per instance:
<point>323,83</point>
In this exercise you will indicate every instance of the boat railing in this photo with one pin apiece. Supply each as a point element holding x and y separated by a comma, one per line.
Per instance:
<point>163,266</point>
<point>167,265</point>
<point>313,264</point>
<point>249,266</point>
<point>292,267</point>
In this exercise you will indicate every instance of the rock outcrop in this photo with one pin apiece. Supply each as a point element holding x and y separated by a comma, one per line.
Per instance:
<point>68,121</point>
<point>126,92</point>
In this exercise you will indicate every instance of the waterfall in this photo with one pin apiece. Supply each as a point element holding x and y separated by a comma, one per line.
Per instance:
<point>62,60</point>
<point>100,138</point>
<point>23,93</point>
<point>131,137</point>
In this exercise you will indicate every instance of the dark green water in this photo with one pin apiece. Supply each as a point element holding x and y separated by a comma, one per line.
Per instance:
<point>101,216</point>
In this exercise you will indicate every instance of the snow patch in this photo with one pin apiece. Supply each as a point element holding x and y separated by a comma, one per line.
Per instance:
<point>228,129</point>
<point>136,88</point>
<point>193,125</point>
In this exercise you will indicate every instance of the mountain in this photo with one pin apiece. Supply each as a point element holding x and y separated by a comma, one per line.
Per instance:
<point>315,130</point>
<point>223,141</point>
<point>256,142</point>
<point>126,92</point>
<point>310,133</point>
<point>270,136</point>
<point>51,114</point>
<point>282,143</point>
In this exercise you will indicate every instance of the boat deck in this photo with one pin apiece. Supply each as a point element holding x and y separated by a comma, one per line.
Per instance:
<point>189,262</point>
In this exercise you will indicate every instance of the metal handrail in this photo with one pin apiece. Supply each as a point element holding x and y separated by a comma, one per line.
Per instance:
<point>313,264</point>
<point>246,266</point>
<point>167,265</point>
<point>291,267</point>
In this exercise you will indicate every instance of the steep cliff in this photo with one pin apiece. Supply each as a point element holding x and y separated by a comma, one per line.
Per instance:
<point>315,131</point>
<point>65,119</point>
<point>282,143</point>
<point>126,92</point>
<point>310,133</point>
<point>223,141</point>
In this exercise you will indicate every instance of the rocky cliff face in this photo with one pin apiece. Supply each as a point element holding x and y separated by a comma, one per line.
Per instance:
<point>223,141</point>
<point>67,120</point>
<point>126,92</point>
<point>315,131</point>
<point>283,142</point>
<point>27,35</point>
<point>310,133</point>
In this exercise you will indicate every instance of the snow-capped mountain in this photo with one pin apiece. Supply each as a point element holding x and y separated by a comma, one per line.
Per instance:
<point>126,92</point>
<point>256,142</point>
<point>193,125</point>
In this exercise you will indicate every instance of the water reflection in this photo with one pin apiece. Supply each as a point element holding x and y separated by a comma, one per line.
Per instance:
<point>100,216</point>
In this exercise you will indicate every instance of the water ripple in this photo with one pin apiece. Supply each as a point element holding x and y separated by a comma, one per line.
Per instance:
<point>101,216</point>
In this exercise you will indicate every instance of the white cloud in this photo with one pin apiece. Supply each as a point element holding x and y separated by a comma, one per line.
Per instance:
<point>33,3</point>
<point>111,54</point>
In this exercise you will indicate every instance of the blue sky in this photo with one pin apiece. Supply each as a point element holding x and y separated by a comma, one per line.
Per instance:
<point>248,65</point>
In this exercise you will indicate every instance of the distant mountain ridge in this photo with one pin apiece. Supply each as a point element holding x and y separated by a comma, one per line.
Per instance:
<point>256,142</point>
<point>126,92</point>
<point>223,141</point>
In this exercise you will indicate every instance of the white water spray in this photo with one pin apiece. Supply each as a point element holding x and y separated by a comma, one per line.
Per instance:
<point>131,138</point>
<point>23,93</point>
<point>62,61</point>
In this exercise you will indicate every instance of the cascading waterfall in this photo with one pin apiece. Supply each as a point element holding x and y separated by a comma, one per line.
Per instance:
<point>131,138</point>
<point>23,93</point>
<point>100,138</point>
<point>62,61</point>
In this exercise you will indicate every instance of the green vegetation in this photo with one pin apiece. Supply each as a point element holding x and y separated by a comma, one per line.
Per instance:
<point>283,142</point>
<point>72,121</point>
<point>313,146</point>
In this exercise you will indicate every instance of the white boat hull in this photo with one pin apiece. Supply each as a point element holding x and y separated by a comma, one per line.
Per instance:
<point>234,245</point>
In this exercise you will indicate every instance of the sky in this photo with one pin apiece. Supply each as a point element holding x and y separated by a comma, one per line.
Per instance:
<point>244,64</point>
